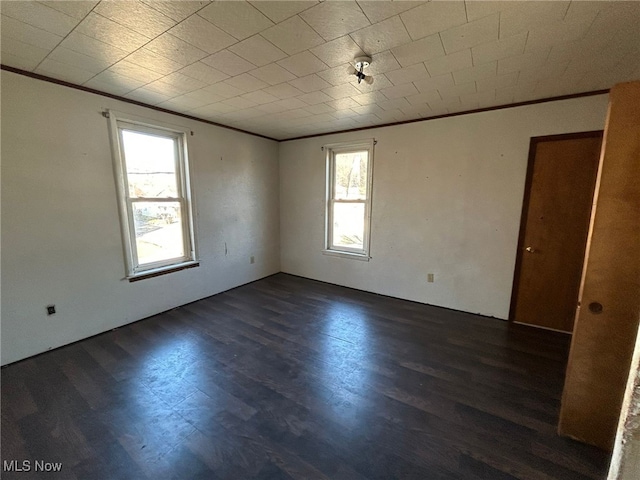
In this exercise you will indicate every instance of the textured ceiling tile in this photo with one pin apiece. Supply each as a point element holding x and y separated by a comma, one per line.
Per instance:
<point>418,51</point>
<point>449,63</point>
<point>258,51</point>
<point>176,49</point>
<point>343,103</point>
<point>224,90</point>
<point>398,91</point>
<point>345,116</point>
<point>40,16</point>
<point>64,71</point>
<point>136,16</point>
<point>131,70</point>
<point>151,60</point>
<point>271,108</point>
<point>228,62</point>
<point>75,9</point>
<point>479,99</point>
<point>400,102</point>
<point>498,82</point>
<point>246,83</point>
<point>342,91</point>
<point>283,91</point>
<point>337,75</point>
<point>183,82</point>
<point>544,71</point>
<point>272,74</point>
<point>12,28</point>
<point>175,105</point>
<point>522,16</point>
<point>319,108</point>
<point>239,102</point>
<point>457,90</point>
<point>421,98</point>
<point>434,17</point>
<point>368,109</point>
<point>471,34</point>
<point>338,51</point>
<point>293,36</point>
<point>200,33</point>
<point>177,11</point>
<point>111,33</point>
<point>382,36</point>
<point>23,50</point>
<point>79,42</point>
<point>121,81</point>
<point>164,88</point>
<point>79,60</point>
<point>519,62</point>
<point>578,9</point>
<point>301,64</point>
<point>239,19</point>
<point>204,73</point>
<point>147,96</point>
<point>428,84</point>
<point>368,98</point>
<point>335,19</point>
<point>470,74</point>
<point>483,8</point>
<point>408,74</point>
<point>212,109</point>
<point>260,97</point>
<point>392,115</point>
<point>310,83</point>
<point>377,11</point>
<point>16,61</point>
<point>204,96</point>
<point>108,87</point>
<point>560,32</point>
<point>507,47</point>
<point>315,98</point>
<point>278,11</point>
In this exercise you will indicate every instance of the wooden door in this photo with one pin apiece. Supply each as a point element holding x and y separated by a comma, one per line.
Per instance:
<point>555,220</point>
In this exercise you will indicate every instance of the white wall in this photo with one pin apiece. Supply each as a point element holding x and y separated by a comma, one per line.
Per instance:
<point>447,198</point>
<point>61,241</point>
<point>625,459</point>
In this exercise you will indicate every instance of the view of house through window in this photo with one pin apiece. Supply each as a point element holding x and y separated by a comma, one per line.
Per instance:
<point>348,205</point>
<point>155,200</point>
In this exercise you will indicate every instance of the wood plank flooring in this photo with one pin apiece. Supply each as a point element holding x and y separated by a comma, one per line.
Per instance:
<point>288,378</point>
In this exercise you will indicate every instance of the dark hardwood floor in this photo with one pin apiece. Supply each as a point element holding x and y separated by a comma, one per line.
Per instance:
<point>288,378</point>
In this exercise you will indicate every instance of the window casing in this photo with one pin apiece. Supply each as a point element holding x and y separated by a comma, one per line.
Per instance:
<point>152,179</point>
<point>348,202</point>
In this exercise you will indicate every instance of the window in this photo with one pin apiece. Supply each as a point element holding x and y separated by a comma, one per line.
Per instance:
<point>155,204</point>
<point>349,177</point>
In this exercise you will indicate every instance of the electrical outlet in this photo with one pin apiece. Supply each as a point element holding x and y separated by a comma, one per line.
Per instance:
<point>253,259</point>
<point>51,309</point>
<point>430,277</point>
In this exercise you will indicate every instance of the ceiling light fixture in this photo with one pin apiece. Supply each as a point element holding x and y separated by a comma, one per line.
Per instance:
<point>360,64</point>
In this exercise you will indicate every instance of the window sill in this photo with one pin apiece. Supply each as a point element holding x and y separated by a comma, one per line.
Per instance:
<point>156,272</point>
<point>355,256</point>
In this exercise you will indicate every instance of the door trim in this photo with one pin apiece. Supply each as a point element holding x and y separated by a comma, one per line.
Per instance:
<point>533,145</point>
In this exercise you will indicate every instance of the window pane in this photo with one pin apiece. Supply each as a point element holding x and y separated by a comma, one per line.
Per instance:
<point>158,231</point>
<point>151,164</point>
<point>348,225</point>
<point>351,175</point>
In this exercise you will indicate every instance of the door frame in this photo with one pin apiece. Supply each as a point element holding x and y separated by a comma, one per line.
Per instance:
<point>533,145</point>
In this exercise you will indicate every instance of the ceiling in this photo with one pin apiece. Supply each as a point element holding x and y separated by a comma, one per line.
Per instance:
<point>280,68</point>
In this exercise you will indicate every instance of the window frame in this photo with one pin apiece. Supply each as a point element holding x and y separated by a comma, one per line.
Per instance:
<point>134,270</point>
<point>331,150</point>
